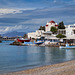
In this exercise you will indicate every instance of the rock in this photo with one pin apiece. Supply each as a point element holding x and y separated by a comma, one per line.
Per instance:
<point>16,43</point>
<point>0,41</point>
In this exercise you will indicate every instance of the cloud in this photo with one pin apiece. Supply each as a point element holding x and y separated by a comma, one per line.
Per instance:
<point>8,11</point>
<point>55,1</point>
<point>5,29</point>
<point>4,11</point>
<point>35,21</point>
<point>32,19</point>
<point>32,3</point>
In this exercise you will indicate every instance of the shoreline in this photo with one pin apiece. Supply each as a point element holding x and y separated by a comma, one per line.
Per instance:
<point>65,68</point>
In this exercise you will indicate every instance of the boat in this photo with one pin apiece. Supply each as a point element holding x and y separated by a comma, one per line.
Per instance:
<point>28,43</point>
<point>23,40</point>
<point>67,47</point>
<point>39,42</point>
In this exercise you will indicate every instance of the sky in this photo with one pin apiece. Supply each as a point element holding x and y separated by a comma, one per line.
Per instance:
<point>29,15</point>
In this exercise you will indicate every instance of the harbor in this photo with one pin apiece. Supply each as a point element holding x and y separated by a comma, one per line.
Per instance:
<point>37,37</point>
<point>50,51</point>
<point>51,35</point>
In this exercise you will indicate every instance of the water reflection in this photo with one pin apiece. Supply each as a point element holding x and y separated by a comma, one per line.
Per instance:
<point>13,58</point>
<point>70,54</point>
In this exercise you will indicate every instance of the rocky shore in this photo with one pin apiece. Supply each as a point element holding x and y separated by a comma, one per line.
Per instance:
<point>17,43</point>
<point>66,68</point>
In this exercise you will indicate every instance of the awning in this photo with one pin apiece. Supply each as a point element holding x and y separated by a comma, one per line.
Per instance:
<point>51,38</point>
<point>69,38</point>
<point>48,32</point>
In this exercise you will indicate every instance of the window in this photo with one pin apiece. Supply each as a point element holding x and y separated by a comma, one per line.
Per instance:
<point>72,26</point>
<point>61,31</point>
<point>74,31</point>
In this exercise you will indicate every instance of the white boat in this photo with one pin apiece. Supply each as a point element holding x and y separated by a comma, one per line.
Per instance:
<point>39,42</point>
<point>67,47</point>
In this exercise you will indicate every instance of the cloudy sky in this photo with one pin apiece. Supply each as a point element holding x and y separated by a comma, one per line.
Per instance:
<point>29,15</point>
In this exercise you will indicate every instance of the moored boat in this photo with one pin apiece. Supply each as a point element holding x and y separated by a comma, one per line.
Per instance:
<point>39,42</point>
<point>67,47</point>
<point>23,40</point>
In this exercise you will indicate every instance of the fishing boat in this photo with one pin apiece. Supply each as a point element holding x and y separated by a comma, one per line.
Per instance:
<point>23,40</point>
<point>67,47</point>
<point>39,42</point>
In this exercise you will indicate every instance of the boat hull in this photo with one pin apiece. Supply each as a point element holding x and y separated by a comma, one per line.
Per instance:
<point>23,40</point>
<point>67,47</point>
<point>38,43</point>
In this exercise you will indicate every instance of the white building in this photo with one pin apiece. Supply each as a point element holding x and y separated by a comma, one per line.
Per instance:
<point>69,32</point>
<point>36,34</point>
<point>49,25</point>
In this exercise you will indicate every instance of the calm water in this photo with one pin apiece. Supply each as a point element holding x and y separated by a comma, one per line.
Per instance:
<point>15,58</point>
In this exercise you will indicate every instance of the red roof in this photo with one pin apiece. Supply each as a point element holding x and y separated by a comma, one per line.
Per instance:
<point>46,25</point>
<point>52,21</point>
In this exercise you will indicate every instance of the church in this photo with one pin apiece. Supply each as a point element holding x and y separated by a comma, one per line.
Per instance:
<point>50,24</point>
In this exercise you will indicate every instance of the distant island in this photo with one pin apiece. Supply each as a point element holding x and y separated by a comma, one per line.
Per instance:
<point>13,34</point>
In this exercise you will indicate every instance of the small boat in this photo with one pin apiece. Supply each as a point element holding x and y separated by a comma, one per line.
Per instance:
<point>23,40</point>
<point>28,43</point>
<point>67,47</point>
<point>39,42</point>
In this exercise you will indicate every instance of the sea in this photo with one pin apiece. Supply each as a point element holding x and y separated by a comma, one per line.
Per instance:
<point>17,58</point>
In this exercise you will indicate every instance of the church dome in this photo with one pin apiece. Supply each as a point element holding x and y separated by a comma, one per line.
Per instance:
<point>52,21</point>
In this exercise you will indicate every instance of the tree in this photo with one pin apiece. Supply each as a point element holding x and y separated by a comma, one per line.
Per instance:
<point>61,25</point>
<point>25,36</point>
<point>53,30</point>
<point>60,36</point>
<point>42,28</point>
